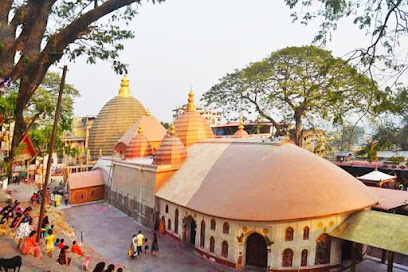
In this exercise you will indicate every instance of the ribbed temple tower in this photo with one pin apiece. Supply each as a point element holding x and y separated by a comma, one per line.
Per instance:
<point>115,118</point>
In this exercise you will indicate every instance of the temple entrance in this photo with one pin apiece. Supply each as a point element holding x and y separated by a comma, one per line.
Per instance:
<point>256,251</point>
<point>191,227</point>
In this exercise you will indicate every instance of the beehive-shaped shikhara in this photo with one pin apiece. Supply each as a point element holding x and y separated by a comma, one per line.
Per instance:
<point>172,151</point>
<point>191,126</point>
<point>115,118</point>
<point>241,133</point>
<point>139,146</point>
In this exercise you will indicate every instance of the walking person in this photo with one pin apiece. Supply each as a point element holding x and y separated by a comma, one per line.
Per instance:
<point>139,242</point>
<point>66,198</point>
<point>57,200</point>
<point>53,199</point>
<point>155,245</point>
<point>133,247</point>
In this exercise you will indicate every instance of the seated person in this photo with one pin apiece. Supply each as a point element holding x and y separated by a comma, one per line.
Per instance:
<point>76,249</point>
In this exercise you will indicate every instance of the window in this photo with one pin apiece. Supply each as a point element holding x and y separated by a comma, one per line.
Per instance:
<point>224,252</point>
<point>202,234</point>
<point>287,258</point>
<point>304,258</point>
<point>306,233</point>
<point>176,221</point>
<point>323,249</point>
<point>213,224</point>
<point>212,244</point>
<point>169,224</point>
<point>289,234</point>
<point>167,208</point>
<point>225,228</point>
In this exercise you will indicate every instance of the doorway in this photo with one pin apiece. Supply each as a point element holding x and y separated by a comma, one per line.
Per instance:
<point>256,251</point>
<point>191,227</point>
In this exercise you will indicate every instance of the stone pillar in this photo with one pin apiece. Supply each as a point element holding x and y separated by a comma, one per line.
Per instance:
<point>353,257</point>
<point>390,261</point>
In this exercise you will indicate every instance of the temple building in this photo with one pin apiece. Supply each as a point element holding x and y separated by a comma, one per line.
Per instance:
<point>115,118</point>
<point>243,201</point>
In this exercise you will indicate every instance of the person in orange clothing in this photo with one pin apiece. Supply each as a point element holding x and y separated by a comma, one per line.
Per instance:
<point>76,249</point>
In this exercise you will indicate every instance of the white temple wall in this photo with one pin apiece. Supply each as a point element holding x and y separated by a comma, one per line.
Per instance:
<point>274,232</point>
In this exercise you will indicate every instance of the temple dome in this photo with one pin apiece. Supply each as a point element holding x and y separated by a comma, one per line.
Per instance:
<point>258,181</point>
<point>139,146</point>
<point>152,129</point>
<point>241,133</point>
<point>171,151</point>
<point>191,126</point>
<point>115,118</point>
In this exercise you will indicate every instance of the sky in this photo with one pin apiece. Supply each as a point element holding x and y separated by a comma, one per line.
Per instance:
<point>183,43</point>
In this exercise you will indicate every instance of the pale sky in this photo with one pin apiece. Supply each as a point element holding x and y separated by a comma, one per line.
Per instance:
<point>189,42</point>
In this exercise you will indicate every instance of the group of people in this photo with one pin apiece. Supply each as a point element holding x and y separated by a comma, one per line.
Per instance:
<point>36,198</point>
<point>139,241</point>
<point>56,198</point>
<point>100,267</point>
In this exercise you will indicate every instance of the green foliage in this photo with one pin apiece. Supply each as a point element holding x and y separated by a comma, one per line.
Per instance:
<point>41,109</point>
<point>370,151</point>
<point>165,124</point>
<point>384,21</point>
<point>397,160</point>
<point>299,83</point>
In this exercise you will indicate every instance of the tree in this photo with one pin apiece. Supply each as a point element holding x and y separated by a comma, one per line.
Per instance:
<point>300,83</point>
<point>35,35</point>
<point>384,21</point>
<point>39,111</point>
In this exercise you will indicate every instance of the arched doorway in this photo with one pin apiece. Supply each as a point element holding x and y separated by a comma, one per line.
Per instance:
<point>191,230</point>
<point>256,251</point>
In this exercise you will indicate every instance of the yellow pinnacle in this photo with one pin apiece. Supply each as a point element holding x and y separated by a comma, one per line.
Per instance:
<point>172,130</point>
<point>124,86</point>
<point>191,106</point>
<point>241,124</point>
<point>148,112</point>
<point>139,130</point>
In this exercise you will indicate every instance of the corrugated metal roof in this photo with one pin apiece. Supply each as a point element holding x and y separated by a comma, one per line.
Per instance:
<point>377,229</point>
<point>389,199</point>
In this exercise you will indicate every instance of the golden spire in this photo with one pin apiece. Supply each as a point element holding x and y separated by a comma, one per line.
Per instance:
<point>191,106</point>
<point>241,123</point>
<point>124,86</point>
<point>148,112</point>
<point>172,130</point>
<point>140,130</point>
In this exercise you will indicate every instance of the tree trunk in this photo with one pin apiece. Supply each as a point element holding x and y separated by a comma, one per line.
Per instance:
<point>298,126</point>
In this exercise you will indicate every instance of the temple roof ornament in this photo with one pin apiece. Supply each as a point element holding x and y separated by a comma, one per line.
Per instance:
<point>191,126</point>
<point>139,146</point>
<point>241,133</point>
<point>191,105</point>
<point>172,151</point>
<point>124,86</point>
<point>148,111</point>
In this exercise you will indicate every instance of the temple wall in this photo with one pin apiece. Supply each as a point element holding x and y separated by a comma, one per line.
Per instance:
<point>273,233</point>
<point>132,191</point>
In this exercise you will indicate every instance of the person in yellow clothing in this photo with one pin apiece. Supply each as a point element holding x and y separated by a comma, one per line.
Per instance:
<point>57,200</point>
<point>49,243</point>
<point>139,242</point>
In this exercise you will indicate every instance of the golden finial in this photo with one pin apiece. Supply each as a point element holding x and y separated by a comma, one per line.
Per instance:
<point>148,112</point>
<point>191,106</point>
<point>241,123</point>
<point>100,152</point>
<point>140,130</point>
<point>172,130</point>
<point>124,86</point>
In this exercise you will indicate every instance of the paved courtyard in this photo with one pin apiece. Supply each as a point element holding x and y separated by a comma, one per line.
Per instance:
<point>108,231</point>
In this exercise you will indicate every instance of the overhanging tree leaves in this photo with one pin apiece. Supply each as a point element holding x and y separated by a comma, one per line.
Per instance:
<point>36,34</point>
<point>40,109</point>
<point>298,82</point>
<point>386,22</point>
